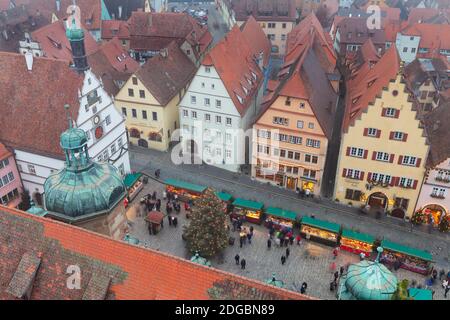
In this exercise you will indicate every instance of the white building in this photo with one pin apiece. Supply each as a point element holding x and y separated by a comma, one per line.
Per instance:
<point>35,115</point>
<point>223,99</point>
<point>407,46</point>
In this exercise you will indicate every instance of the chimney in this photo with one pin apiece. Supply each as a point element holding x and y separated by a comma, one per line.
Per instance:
<point>120,12</point>
<point>29,60</point>
<point>58,5</point>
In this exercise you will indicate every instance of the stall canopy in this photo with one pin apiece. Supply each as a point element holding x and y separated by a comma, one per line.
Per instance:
<point>420,294</point>
<point>224,196</point>
<point>284,214</point>
<point>248,204</point>
<point>424,255</point>
<point>131,178</point>
<point>366,238</point>
<point>185,185</point>
<point>321,224</point>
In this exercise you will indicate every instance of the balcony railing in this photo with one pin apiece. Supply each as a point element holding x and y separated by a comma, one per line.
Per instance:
<point>437,196</point>
<point>443,179</point>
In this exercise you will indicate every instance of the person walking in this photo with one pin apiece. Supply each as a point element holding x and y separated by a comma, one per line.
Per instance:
<point>269,243</point>
<point>298,239</point>
<point>336,276</point>
<point>164,195</point>
<point>303,288</point>
<point>283,260</point>
<point>241,241</point>
<point>236,258</point>
<point>251,230</point>
<point>335,253</point>
<point>169,217</point>
<point>288,252</point>
<point>249,237</point>
<point>158,205</point>
<point>175,221</point>
<point>447,289</point>
<point>341,271</point>
<point>243,263</point>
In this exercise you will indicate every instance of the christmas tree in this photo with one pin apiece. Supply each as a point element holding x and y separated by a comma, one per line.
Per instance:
<point>207,233</point>
<point>418,218</point>
<point>25,203</point>
<point>444,225</point>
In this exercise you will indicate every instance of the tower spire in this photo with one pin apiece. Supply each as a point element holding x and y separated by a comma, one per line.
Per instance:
<point>75,34</point>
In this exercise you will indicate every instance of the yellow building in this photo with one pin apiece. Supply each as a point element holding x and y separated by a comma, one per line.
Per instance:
<point>291,136</point>
<point>383,148</point>
<point>149,99</point>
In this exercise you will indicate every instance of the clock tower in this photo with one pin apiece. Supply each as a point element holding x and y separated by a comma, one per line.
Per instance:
<point>76,38</point>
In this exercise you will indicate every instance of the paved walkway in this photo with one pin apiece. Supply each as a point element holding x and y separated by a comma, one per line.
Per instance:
<point>242,186</point>
<point>312,268</point>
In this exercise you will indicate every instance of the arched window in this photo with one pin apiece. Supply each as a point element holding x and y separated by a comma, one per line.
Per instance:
<point>134,133</point>
<point>155,136</point>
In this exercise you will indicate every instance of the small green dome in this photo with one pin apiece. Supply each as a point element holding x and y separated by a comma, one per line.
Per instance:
<point>75,34</point>
<point>369,280</point>
<point>73,139</point>
<point>95,189</point>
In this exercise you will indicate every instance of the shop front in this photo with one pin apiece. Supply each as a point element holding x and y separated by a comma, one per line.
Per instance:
<point>185,191</point>
<point>430,214</point>
<point>280,219</point>
<point>133,183</point>
<point>356,242</point>
<point>250,210</point>
<point>226,199</point>
<point>408,258</point>
<point>319,230</point>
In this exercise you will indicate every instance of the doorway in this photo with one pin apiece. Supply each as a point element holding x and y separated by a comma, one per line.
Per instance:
<point>377,200</point>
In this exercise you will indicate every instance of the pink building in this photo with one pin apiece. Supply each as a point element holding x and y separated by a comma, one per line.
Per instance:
<point>10,183</point>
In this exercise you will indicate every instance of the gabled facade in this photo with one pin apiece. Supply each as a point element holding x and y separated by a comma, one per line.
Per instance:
<point>10,182</point>
<point>383,148</point>
<point>291,135</point>
<point>149,99</point>
<point>223,100</point>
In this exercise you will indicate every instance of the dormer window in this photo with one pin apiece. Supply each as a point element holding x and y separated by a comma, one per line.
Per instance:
<point>245,90</point>
<point>241,101</point>
<point>370,83</point>
<point>355,100</point>
<point>254,76</point>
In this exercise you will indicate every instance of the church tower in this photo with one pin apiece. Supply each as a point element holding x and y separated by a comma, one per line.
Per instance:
<point>76,37</point>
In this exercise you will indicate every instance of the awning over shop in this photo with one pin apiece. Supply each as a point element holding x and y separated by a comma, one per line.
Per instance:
<point>420,294</point>
<point>350,234</point>
<point>224,196</point>
<point>284,214</point>
<point>422,254</point>
<point>321,224</point>
<point>185,185</point>
<point>248,204</point>
<point>131,178</point>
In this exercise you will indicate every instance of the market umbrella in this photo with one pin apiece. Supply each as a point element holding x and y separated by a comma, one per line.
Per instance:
<point>155,217</point>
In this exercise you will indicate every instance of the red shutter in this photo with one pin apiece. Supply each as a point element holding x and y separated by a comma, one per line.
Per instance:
<point>344,173</point>
<point>405,136</point>
<point>348,151</point>
<point>366,130</point>
<point>400,159</point>
<point>393,179</point>
<point>365,153</point>
<point>391,160</point>
<point>361,175</point>
<point>391,135</point>
<point>383,112</point>
<point>369,176</point>
<point>378,133</point>
<point>415,184</point>
<point>397,113</point>
<point>418,162</point>
<point>397,181</point>
<point>374,155</point>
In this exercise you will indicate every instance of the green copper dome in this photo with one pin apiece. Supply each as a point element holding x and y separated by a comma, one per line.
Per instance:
<point>73,139</point>
<point>73,33</point>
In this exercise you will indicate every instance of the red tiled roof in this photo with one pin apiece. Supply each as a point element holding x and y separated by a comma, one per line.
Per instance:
<point>115,28</point>
<point>360,94</point>
<point>428,15</point>
<point>33,102</point>
<point>233,59</point>
<point>55,44</point>
<point>437,124</point>
<point>367,54</point>
<point>4,152</point>
<point>264,10</point>
<point>164,77</point>
<point>354,30</point>
<point>256,39</point>
<point>432,36</point>
<point>135,273</point>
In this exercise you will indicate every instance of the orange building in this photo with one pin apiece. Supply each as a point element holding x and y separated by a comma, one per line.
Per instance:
<point>290,136</point>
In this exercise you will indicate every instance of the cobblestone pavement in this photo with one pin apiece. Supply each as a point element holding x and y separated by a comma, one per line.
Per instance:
<point>261,262</point>
<point>243,186</point>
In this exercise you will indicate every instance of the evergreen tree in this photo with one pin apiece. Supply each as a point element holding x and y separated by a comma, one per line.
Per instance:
<point>207,233</point>
<point>26,199</point>
<point>444,225</point>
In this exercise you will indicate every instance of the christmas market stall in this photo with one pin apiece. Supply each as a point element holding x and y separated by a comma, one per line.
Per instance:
<point>420,294</point>
<point>320,230</point>
<point>356,242</point>
<point>226,199</point>
<point>185,191</point>
<point>407,258</point>
<point>250,210</point>
<point>279,218</point>
<point>134,184</point>
<point>155,222</point>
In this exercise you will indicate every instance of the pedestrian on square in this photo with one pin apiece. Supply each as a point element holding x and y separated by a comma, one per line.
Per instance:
<point>175,197</point>
<point>175,221</point>
<point>251,229</point>
<point>236,258</point>
<point>281,242</point>
<point>291,240</point>
<point>333,266</point>
<point>435,274</point>
<point>447,289</point>
<point>332,285</point>
<point>341,271</point>
<point>154,195</point>
<point>241,241</point>
<point>164,195</point>
<point>298,239</point>
<point>249,237</point>
<point>169,217</point>
<point>277,242</point>
<point>303,288</point>
<point>269,243</point>
<point>158,205</point>
<point>441,274</point>
<point>335,253</point>
<point>243,263</point>
<point>288,252</point>
<point>336,276</point>
<point>283,260</point>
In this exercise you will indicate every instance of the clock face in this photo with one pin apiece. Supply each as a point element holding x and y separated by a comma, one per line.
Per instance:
<point>98,132</point>
<point>96,120</point>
